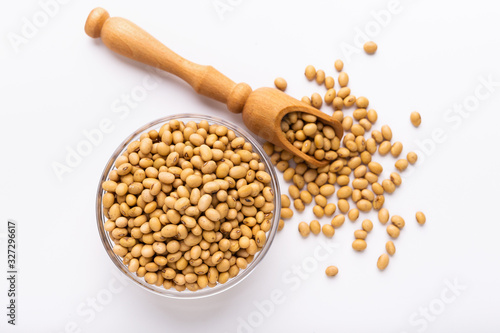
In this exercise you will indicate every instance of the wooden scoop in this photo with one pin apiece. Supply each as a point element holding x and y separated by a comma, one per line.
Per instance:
<point>262,109</point>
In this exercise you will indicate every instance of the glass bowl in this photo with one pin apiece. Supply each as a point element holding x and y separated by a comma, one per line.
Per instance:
<point>187,294</point>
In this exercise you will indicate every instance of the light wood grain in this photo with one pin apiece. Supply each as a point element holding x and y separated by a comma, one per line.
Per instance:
<point>262,109</point>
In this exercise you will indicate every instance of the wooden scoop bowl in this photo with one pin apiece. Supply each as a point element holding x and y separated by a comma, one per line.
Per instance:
<point>262,109</point>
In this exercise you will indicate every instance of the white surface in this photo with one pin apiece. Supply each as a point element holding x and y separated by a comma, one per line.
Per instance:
<point>432,55</point>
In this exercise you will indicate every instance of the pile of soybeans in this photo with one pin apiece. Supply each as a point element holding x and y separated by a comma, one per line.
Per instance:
<point>353,176</point>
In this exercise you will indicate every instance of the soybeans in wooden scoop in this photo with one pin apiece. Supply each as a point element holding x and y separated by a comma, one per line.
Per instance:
<point>262,109</point>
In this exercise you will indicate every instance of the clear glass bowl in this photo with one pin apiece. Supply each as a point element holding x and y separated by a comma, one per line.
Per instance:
<point>186,294</point>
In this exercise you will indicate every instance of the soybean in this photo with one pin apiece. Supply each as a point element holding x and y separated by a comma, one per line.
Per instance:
<point>315,227</point>
<point>398,221</point>
<point>280,83</point>
<point>383,215</point>
<point>190,196</point>
<point>343,79</point>
<point>393,231</point>
<point>383,262</point>
<point>420,217</point>
<point>412,157</point>
<point>338,221</point>
<point>310,72</point>
<point>359,244</point>
<point>331,271</point>
<point>370,47</point>
<point>304,229</point>
<point>415,118</point>
<point>390,248</point>
<point>328,230</point>
<point>339,65</point>
<point>401,164</point>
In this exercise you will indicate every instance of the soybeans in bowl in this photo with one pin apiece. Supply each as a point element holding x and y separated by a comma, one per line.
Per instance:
<point>186,206</point>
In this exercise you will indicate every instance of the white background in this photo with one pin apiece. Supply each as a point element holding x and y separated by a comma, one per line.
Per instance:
<point>432,56</point>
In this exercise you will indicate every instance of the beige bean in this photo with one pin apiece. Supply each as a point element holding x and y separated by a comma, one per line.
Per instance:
<point>367,225</point>
<point>245,191</point>
<point>420,217</point>
<point>383,262</point>
<point>237,172</point>
<point>378,202</point>
<point>377,136</point>
<point>329,96</point>
<point>415,118</point>
<point>349,100</point>
<point>362,102</point>
<point>294,191</point>
<point>375,167</point>
<point>320,200</point>
<point>298,204</point>
<point>388,186</point>
<point>370,47</point>
<point>372,116</point>
<point>281,225</point>
<point>285,201</point>
<point>328,230</point>
<point>396,178</point>
<point>367,194</point>
<point>393,231</point>
<point>360,113</point>
<point>347,123</point>
<point>109,186</point>
<point>364,205</point>
<point>390,248</point>
<point>338,221</point>
<point>280,83</point>
<point>412,157</point>
<point>367,125</point>
<point>331,271</point>
<point>327,190</point>
<point>386,132</point>
<point>356,195</point>
<point>396,149</point>
<point>330,209</point>
<point>344,92</point>
<point>263,177</point>
<point>310,72</point>
<point>371,177</point>
<point>401,164</point>
<point>377,188</point>
<point>383,215</point>
<point>338,104</point>
<point>306,197</point>
<point>360,234</point>
<point>343,79</point>
<point>310,129</point>
<point>384,148</point>
<point>353,214</point>
<point>318,211</point>
<point>343,205</point>
<point>320,76</point>
<point>316,100</point>
<point>315,227</point>
<point>344,192</point>
<point>329,82</point>
<point>360,171</point>
<point>304,229</point>
<point>359,244</point>
<point>339,65</point>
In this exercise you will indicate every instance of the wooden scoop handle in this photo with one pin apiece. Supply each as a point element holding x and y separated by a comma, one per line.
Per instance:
<point>126,38</point>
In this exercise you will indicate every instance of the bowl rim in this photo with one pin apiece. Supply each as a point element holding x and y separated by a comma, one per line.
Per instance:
<point>219,288</point>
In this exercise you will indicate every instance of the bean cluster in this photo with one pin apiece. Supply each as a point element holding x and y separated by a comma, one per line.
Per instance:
<point>188,206</point>
<point>353,174</point>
